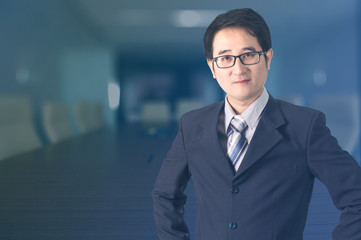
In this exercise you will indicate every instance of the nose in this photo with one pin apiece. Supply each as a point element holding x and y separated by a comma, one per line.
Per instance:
<point>239,67</point>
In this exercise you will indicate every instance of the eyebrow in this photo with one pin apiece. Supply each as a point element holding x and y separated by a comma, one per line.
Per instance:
<point>244,49</point>
<point>224,51</point>
<point>250,49</point>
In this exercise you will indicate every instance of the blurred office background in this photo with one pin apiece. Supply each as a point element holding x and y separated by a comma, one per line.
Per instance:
<point>121,62</point>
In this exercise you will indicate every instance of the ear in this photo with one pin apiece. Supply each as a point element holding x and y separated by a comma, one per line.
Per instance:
<point>211,67</point>
<point>269,55</point>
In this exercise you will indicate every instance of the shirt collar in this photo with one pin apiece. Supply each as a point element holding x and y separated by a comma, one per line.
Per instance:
<point>251,114</point>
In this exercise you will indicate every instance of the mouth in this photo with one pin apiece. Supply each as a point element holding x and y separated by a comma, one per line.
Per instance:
<point>242,81</point>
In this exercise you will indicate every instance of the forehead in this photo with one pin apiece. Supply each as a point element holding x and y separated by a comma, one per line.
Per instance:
<point>234,39</point>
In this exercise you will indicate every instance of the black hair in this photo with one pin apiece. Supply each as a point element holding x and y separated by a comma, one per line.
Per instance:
<point>245,18</point>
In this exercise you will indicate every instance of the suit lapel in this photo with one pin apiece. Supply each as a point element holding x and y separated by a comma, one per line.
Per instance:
<point>265,137</point>
<point>209,139</point>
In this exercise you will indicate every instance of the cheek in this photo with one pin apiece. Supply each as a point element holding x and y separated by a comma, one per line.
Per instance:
<point>223,82</point>
<point>222,74</point>
<point>222,77</point>
<point>261,75</point>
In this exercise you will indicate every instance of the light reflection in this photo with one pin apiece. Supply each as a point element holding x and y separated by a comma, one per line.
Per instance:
<point>113,95</point>
<point>320,78</point>
<point>194,18</point>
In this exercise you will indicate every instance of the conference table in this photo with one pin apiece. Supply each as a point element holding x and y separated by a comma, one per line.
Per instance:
<point>98,186</point>
<point>94,186</point>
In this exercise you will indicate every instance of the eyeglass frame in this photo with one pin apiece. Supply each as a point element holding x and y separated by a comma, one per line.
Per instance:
<point>214,60</point>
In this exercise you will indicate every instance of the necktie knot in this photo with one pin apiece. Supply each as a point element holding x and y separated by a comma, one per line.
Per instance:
<point>237,124</point>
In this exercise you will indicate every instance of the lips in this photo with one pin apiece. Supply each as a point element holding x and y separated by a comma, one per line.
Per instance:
<point>242,81</point>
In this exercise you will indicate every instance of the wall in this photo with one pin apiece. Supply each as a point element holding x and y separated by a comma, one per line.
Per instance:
<point>36,37</point>
<point>320,70</point>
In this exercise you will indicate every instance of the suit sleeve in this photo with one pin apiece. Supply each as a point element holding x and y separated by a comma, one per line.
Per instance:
<point>168,193</point>
<point>340,173</point>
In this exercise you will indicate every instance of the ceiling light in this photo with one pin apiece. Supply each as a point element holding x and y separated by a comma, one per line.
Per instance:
<point>193,18</point>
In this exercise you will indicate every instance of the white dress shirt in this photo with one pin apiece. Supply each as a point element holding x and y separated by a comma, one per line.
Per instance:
<point>251,115</point>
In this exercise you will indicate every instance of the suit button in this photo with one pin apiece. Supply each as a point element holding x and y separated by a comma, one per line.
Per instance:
<point>233,225</point>
<point>235,190</point>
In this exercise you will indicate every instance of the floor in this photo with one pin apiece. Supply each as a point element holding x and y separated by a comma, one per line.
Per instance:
<point>63,192</point>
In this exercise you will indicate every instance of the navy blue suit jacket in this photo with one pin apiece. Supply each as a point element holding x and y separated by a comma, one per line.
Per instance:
<point>268,197</point>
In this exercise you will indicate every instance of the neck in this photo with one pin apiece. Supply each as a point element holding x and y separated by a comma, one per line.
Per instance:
<point>240,106</point>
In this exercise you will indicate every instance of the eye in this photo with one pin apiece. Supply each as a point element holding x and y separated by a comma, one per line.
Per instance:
<point>226,58</point>
<point>249,55</point>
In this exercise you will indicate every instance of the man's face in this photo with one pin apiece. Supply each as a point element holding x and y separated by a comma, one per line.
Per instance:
<point>242,83</point>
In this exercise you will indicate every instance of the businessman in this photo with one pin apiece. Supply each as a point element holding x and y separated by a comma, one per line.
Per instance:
<point>253,158</point>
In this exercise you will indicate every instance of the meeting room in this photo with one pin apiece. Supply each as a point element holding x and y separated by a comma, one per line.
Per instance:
<point>104,108</point>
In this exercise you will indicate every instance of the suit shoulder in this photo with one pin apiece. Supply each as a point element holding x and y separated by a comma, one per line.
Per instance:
<point>297,114</point>
<point>290,108</point>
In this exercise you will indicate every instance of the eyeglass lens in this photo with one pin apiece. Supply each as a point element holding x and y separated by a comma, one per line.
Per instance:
<point>229,60</point>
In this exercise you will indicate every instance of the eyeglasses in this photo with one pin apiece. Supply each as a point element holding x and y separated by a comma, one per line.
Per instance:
<point>248,58</point>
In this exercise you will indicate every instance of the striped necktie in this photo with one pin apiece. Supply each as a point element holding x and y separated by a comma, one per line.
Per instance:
<point>237,142</point>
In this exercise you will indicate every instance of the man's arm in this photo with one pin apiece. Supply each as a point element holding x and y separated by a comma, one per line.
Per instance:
<point>168,194</point>
<point>342,176</point>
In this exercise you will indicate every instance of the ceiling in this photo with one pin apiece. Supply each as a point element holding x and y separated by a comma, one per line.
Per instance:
<point>139,26</point>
